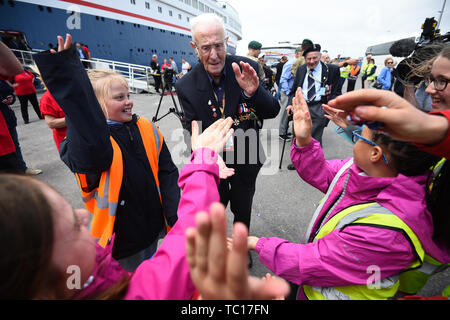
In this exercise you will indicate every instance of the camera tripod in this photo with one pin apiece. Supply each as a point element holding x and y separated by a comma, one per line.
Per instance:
<point>178,113</point>
<point>290,118</point>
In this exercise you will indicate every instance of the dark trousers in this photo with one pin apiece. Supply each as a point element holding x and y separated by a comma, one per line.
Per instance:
<point>240,195</point>
<point>24,106</point>
<point>10,164</point>
<point>18,153</point>
<point>351,85</point>
<point>157,82</point>
<point>319,122</point>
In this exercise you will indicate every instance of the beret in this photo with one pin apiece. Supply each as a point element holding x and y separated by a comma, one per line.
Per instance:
<point>312,48</point>
<point>254,45</point>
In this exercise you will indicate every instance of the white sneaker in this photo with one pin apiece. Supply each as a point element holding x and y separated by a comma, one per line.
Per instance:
<point>32,172</point>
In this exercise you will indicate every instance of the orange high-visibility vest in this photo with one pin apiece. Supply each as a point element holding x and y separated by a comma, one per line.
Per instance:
<point>102,202</point>
<point>354,70</point>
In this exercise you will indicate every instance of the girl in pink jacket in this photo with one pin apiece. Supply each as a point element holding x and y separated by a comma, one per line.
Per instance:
<point>371,226</point>
<point>48,252</point>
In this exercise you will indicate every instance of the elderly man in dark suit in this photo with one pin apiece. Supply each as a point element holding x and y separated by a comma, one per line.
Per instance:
<point>320,83</point>
<point>224,85</point>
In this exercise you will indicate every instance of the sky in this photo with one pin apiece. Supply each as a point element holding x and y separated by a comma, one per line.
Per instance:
<point>345,27</point>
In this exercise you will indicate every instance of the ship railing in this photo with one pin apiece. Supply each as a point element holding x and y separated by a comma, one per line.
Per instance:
<point>139,77</point>
<point>25,57</point>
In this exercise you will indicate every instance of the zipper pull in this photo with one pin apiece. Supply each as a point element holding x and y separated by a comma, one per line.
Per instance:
<point>129,132</point>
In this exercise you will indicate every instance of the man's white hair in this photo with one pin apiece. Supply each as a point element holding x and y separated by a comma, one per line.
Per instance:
<point>206,18</point>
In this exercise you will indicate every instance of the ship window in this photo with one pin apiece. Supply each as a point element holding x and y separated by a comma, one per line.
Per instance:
<point>179,16</point>
<point>96,17</point>
<point>41,8</point>
<point>133,1</point>
<point>159,9</point>
<point>188,2</point>
<point>201,6</point>
<point>187,19</point>
<point>195,4</point>
<point>147,5</point>
<point>206,8</point>
<point>49,9</point>
<point>121,22</point>
<point>170,12</point>
<point>11,3</point>
<point>103,19</point>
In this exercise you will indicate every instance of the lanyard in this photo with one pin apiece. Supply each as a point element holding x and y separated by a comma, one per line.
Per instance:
<point>222,107</point>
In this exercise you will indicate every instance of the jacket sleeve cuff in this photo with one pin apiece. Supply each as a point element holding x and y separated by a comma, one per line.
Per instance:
<point>204,156</point>
<point>438,148</point>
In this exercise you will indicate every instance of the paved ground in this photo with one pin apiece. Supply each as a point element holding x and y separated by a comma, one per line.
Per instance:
<point>283,203</point>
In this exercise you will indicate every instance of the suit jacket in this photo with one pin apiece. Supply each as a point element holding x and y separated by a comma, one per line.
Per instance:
<point>197,99</point>
<point>330,76</point>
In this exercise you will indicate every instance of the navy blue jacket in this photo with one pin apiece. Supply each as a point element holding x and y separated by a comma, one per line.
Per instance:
<point>196,96</point>
<point>9,115</point>
<point>87,149</point>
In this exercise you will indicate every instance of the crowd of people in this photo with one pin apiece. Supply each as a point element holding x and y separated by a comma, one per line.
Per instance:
<point>386,206</point>
<point>168,73</point>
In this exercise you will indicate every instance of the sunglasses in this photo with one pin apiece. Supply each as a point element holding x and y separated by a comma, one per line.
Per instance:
<point>357,136</point>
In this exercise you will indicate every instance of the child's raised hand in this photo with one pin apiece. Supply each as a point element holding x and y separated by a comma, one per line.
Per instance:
<point>224,171</point>
<point>214,137</point>
<point>221,273</point>
<point>63,45</point>
<point>302,119</point>
<point>335,115</point>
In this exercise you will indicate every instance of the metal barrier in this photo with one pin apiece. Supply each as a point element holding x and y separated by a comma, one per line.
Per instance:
<point>139,77</point>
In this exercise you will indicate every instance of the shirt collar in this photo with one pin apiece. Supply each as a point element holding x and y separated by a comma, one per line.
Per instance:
<point>222,77</point>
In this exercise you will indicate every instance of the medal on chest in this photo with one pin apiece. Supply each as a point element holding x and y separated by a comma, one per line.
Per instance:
<point>213,109</point>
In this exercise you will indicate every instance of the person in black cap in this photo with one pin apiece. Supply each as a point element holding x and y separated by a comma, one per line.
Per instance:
<point>320,83</point>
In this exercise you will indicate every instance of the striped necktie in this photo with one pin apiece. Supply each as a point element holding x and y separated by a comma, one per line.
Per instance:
<point>311,86</point>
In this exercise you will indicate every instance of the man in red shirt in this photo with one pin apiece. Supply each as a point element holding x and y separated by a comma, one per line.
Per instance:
<point>54,117</point>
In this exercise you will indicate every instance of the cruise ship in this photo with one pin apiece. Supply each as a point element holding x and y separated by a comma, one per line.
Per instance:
<point>129,31</point>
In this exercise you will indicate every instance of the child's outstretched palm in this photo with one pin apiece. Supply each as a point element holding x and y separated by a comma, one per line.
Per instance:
<point>301,119</point>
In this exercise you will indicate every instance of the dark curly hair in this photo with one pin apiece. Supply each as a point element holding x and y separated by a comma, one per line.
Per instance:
<point>408,160</point>
<point>405,157</point>
<point>438,202</point>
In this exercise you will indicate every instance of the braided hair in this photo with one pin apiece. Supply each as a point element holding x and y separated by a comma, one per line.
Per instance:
<point>438,202</point>
<point>405,157</point>
<point>408,160</point>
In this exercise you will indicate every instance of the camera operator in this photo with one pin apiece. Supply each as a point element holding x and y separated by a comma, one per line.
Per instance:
<point>411,71</point>
<point>167,72</point>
